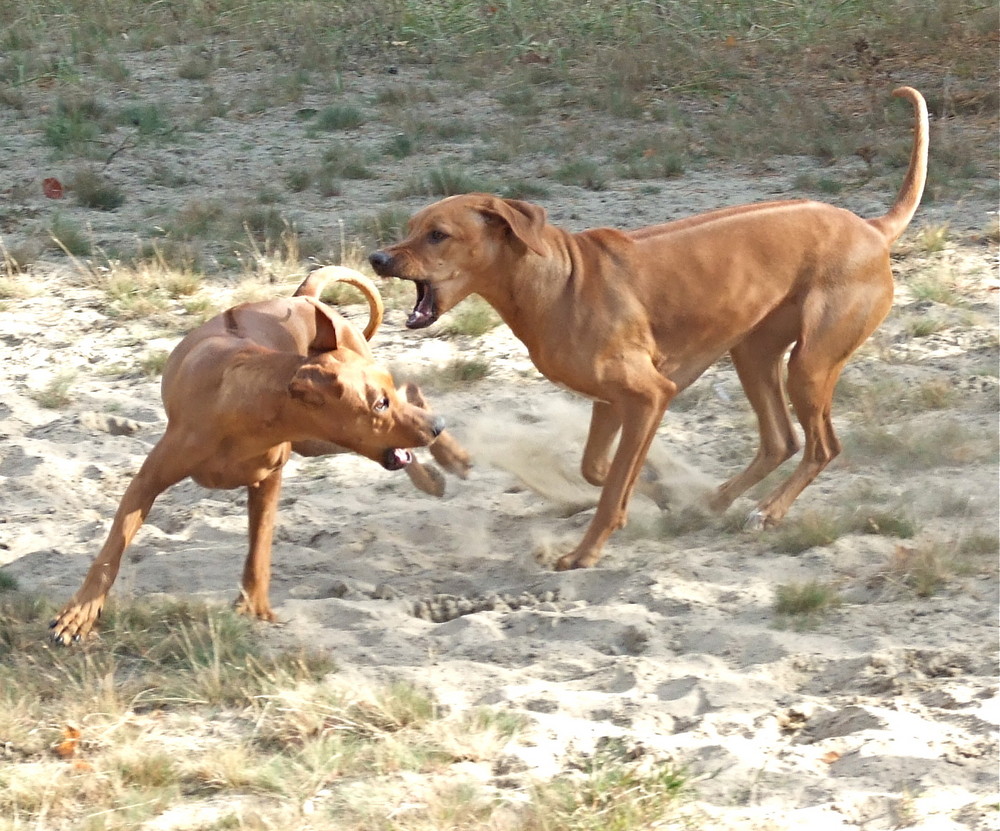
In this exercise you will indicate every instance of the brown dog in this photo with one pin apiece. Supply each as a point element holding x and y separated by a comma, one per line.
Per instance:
<point>241,392</point>
<point>629,319</point>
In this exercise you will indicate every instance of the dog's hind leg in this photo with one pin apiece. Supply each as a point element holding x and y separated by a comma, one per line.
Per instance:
<point>604,426</point>
<point>759,362</point>
<point>833,328</point>
<point>164,466</point>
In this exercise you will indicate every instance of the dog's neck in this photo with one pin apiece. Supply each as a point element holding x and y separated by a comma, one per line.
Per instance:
<point>533,288</point>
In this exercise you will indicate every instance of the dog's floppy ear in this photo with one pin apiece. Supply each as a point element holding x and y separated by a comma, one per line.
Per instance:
<point>524,219</point>
<point>326,331</point>
<point>313,384</point>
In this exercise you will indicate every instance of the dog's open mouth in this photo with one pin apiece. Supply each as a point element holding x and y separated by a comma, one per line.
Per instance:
<point>396,459</point>
<point>425,311</point>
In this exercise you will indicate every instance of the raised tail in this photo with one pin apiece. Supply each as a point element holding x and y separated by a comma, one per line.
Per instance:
<point>313,286</point>
<point>895,221</point>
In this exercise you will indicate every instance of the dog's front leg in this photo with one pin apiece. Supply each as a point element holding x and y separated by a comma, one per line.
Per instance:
<point>162,468</point>
<point>640,414</point>
<point>262,509</point>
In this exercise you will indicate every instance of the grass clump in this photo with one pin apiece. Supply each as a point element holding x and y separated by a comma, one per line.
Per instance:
<point>92,190</point>
<point>339,117</point>
<point>807,530</point>
<point>56,393</point>
<point>475,318</point>
<point>584,173</point>
<point>445,181</point>
<point>805,602</point>
<point>942,445</point>
<point>464,371</point>
<point>925,568</point>
<point>606,792</point>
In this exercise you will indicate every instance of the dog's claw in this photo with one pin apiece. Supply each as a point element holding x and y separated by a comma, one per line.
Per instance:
<point>756,521</point>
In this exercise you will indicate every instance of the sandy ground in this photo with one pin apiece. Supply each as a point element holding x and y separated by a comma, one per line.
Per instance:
<point>881,714</point>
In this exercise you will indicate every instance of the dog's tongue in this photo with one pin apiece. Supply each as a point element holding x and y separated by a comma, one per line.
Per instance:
<point>396,459</point>
<point>423,313</point>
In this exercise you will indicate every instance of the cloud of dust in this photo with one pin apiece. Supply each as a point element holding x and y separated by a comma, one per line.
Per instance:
<point>542,444</point>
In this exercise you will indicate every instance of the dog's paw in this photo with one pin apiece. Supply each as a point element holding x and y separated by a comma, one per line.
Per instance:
<point>451,455</point>
<point>426,478</point>
<point>260,609</point>
<point>756,520</point>
<point>76,622</point>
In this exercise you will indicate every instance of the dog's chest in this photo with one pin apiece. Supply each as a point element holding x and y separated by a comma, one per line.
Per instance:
<point>230,468</point>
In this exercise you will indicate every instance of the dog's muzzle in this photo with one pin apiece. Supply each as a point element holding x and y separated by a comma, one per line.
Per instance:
<point>425,310</point>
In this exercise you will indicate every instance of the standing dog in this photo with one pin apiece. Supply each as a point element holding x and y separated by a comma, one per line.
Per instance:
<point>631,318</point>
<point>241,392</point>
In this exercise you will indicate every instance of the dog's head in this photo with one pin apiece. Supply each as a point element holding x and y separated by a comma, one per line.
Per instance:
<point>346,399</point>
<point>455,246</point>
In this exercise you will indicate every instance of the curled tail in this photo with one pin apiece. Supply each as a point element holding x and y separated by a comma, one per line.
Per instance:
<point>313,285</point>
<point>895,221</point>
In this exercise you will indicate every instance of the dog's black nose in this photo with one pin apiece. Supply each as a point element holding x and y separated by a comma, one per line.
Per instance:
<point>437,426</point>
<point>379,261</point>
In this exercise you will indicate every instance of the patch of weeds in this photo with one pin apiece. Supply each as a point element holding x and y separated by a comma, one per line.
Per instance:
<point>653,157</point>
<point>261,222</point>
<point>92,190</point>
<point>445,181</point>
<point>148,118</point>
<point>14,262</point>
<point>327,183</point>
<point>145,289</point>
<point>298,179</point>
<point>475,318</point>
<point>606,792</point>
<point>920,569</point>
<point>68,237</point>
<point>922,326</point>
<point>945,444</point>
<point>339,117</point>
<point>521,101</point>
<point>805,602</point>
<point>818,184</point>
<point>884,522</point>
<point>75,126</point>
<point>399,146</point>
<point>808,530</point>
<point>384,227</point>
<point>195,67</point>
<point>463,371</point>
<point>935,287</point>
<point>936,394</point>
<point>151,364</point>
<point>399,96</point>
<point>346,162</point>
<point>979,543</point>
<point>524,189</point>
<point>933,239</point>
<point>8,582</point>
<point>113,69</point>
<point>55,395</point>
<point>198,218</point>
<point>687,520</point>
<point>168,255</point>
<point>584,173</point>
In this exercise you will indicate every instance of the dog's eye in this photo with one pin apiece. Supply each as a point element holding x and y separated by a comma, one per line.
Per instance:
<point>381,405</point>
<point>437,236</point>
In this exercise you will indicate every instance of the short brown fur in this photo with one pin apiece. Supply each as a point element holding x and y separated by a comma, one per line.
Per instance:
<point>242,392</point>
<point>632,318</point>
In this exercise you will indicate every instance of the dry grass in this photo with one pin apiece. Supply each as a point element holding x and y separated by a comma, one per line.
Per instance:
<point>178,708</point>
<point>804,603</point>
